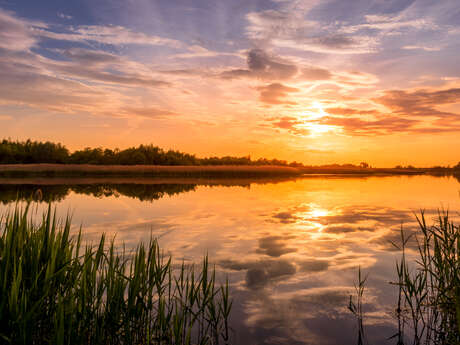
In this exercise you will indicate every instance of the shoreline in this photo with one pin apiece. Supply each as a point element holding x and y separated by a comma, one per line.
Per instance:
<point>195,171</point>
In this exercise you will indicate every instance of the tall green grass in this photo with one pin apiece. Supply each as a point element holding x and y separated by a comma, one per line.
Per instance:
<point>54,290</point>
<point>428,305</point>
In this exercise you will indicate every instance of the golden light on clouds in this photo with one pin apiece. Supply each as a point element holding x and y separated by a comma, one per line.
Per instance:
<point>308,122</point>
<point>275,80</point>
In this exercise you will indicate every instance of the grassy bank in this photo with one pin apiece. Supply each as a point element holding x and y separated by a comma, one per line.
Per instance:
<point>211,171</point>
<point>190,171</point>
<point>56,291</point>
<point>361,171</point>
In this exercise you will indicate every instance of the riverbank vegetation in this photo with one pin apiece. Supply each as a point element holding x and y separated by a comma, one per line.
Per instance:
<point>152,171</point>
<point>33,158</point>
<point>55,290</point>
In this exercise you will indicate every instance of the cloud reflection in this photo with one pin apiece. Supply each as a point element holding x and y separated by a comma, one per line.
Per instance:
<point>275,246</point>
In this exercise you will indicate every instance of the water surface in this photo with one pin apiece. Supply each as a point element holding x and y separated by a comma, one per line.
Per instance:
<point>289,248</point>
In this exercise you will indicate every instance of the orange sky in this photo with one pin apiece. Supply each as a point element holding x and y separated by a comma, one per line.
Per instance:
<point>296,80</point>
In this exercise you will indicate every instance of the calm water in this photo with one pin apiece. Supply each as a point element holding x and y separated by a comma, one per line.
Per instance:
<point>290,249</point>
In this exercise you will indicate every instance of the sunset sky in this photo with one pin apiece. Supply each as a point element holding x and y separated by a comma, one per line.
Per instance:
<point>337,81</point>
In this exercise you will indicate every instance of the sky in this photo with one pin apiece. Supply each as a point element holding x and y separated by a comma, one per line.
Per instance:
<point>335,81</point>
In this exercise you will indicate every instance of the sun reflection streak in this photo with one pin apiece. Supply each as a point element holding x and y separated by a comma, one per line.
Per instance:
<point>310,219</point>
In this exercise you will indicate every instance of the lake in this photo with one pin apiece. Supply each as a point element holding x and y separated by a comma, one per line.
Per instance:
<point>290,248</point>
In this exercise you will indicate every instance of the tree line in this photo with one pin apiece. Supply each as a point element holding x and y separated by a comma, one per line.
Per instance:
<point>29,152</point>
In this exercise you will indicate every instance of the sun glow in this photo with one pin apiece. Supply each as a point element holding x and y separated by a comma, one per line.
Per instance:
<point>311,120</point>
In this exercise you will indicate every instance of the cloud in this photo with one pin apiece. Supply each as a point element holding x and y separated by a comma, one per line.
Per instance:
<point>350,111</point>
<point>100,66</point>
<point>316,73</point>
<point>360,126</point>
<point>409,111</point>
<point>79,83</point>
<point>289,28</point>
<point>86,65</point>
<point>197,51</point>
<point>390,23</point>
<point>291,124</point>
<point>74,79</point>
<point>97,72</point>
<point>97,75</point>
<point>90,57</point>
<point>29,87</point>
<point>263,66</point>
<point>286,122</point>
<point>148,112</point>
<point>420,102</point>
<point>19,34</point>
<point>184,72</point>
<point>108,34</point>
<point>64,16</point>
<point>425,48</point>
<point>15,33</point>
<point>27,80</point>
<point>361,27</point>
<point>276,93</point>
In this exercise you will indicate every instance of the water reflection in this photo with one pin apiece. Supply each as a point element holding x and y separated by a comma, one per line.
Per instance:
<point>289,248</point>
<point>55,193</point>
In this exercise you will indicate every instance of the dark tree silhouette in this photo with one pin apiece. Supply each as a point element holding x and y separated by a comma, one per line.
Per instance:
<point>17,152</point>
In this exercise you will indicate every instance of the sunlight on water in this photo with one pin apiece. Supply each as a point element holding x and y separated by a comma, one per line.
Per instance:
<point>290,249</point>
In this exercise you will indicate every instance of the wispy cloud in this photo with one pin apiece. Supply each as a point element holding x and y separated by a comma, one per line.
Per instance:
<point>64,16</point>
<point>263,66</point>
<point>16,34</point>
<point>276,93</point>
<point>407,112</point>
<point>316,73</point>
<point>78,81</point>
<point>289,123</point>
<point>420,102</point>
<point>428,49</point>
<point>290,29</point>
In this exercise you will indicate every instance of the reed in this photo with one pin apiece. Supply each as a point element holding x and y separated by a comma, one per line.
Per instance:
<point>429,293</point>
<point>57,291</point>
<point>357,307</point>
<point>428,306</point>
